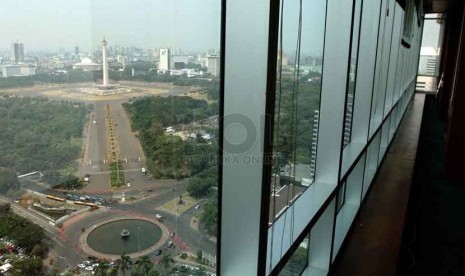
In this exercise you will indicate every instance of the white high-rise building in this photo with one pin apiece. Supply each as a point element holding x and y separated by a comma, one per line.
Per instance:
<point>164,59</point>
<point>213,65</point>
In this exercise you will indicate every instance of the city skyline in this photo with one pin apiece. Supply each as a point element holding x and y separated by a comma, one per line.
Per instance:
<point>147,24</point>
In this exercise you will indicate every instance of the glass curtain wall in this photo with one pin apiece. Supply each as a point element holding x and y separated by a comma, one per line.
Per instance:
<point>351,80</point>
<point>300,55</point>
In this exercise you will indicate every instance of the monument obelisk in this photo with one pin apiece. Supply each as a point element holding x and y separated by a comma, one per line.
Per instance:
<point>105,63</point>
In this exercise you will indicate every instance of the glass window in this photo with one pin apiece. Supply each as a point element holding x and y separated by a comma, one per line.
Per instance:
<point>430,47</point>
<point>109,112</point>
<point>299,260</point>
<point>351,79</point>
<point>430,53</point>
<point>300,55</point>
<point>341,197</point>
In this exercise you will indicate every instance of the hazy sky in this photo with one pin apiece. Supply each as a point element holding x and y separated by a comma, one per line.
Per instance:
<point>49,25</point>
<point>53,24</point>
<point>313,24</point>
<point>430,34</point>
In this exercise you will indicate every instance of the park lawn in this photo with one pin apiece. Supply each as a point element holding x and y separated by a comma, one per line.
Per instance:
<point>175,209</point>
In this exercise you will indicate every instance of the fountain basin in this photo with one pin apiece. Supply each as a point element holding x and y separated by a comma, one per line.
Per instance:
<point>108,238</point>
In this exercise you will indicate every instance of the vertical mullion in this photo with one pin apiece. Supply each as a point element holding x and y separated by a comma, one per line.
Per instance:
<point>245,81</point>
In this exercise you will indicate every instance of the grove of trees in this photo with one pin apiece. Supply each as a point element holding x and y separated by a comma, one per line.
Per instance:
<point>168,155</point>
<point>25,234</point>
<point>296,119</point>
<point>38,134</point>
<point>8,180</point>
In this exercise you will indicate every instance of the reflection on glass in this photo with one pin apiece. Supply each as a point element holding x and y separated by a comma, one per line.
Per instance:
<point>109,113</point>
<point>430,48</point>
<point>299,260</point>
<point>341,197</point>
<point>382,64</point>
<point>300,53</point>
<point>352,72</point>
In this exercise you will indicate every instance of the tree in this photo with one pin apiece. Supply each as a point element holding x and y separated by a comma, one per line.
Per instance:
<point>37,251</point>
<point>37,134</point>
<point>166,261</point>
<point>199,255</point>
<point>209,217</point>
<point>102,268</point>
<point>52,177</point>
<point>154,273</point>
<point>125,263</point>
<point>21,230</point>
<point>199,187</point>
<point>29,266</point>
<point>8,180</point>
<point>145,264</point>
<point>201,272</point>
<point>113,271</point>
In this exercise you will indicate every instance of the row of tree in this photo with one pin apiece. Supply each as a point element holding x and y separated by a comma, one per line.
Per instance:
<point>142,72</point>
<point>143,267</point>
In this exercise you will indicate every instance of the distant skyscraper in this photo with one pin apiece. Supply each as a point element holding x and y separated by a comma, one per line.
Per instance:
<point>213,65</point>
<point>17,52</point>
<point>164,59</point>
<point>76,51</point>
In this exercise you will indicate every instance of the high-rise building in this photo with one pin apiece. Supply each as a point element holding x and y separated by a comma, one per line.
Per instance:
<point>164,59</point>
<point>76,51</point>
<point>213,64</point>
<point>17,52</point>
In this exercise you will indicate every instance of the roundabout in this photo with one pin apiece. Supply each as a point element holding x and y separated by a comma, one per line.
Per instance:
<point>132,236</point>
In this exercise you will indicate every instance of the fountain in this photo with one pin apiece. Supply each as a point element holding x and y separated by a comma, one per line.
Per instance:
<point>114,237</point>
<point>125,234</point>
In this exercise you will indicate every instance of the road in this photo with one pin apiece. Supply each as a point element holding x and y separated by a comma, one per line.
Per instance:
<point>58,245</point>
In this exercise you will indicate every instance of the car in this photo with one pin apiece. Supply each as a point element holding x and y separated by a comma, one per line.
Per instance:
<point>89,268</point>
<point>81,265</point>
<point>87,263</point>
<point>157,252</point>
<point>94,122</point>
<point>158,216</point>
<point>170,244</point>
<point>197,206</point>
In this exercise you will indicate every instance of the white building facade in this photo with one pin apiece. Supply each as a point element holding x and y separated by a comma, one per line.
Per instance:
<point>164,63</point>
